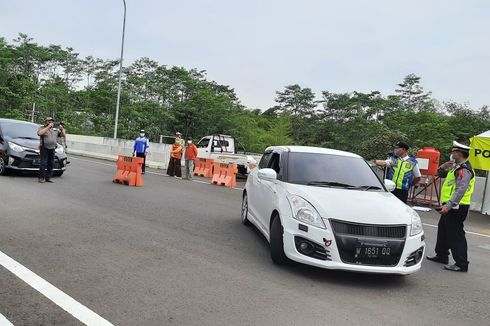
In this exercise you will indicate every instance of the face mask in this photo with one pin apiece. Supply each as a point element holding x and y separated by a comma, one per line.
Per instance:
<point>451,158</point>
<point>189,142</point>
<point>142,135</point>
<point>395,153</point>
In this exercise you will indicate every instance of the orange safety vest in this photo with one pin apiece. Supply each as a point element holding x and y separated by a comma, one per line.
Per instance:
<point>176,151</point>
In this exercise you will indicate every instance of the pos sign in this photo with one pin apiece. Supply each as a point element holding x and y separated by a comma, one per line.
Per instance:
<point>480,153</point>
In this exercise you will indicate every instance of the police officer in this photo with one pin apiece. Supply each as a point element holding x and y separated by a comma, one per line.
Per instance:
<point>403,170</point>
<point>456,199</point>
<point>141,147</point>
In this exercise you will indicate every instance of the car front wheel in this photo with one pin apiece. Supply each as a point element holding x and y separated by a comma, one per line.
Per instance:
<point>276,242</point>
<point>245,210</point>
<point>2,165</point>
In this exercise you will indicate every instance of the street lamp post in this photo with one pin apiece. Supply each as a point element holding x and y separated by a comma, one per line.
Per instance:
<point>120,73</point>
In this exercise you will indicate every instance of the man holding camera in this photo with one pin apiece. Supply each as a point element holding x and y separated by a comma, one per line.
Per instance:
<point>49,135</point>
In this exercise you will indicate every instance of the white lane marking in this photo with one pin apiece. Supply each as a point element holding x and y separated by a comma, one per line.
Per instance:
<point>4,321</point>
<point>469,232</point>
<point>67,303</point>
<point>147,172</point>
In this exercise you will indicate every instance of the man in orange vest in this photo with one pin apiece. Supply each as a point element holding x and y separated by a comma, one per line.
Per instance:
<point>174,167</point>
<point>190,157</point>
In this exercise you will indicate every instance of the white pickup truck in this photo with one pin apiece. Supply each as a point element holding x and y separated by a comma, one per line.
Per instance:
<point>223,148</point>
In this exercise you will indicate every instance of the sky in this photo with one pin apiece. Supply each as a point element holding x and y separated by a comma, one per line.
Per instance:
<point>259,46</point>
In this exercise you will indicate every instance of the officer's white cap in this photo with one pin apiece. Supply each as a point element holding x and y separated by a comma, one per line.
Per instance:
<point>460,147</point>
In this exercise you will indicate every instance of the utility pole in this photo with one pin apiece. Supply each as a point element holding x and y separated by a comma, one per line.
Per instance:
<point>120,72</point>
<point>33,111</point>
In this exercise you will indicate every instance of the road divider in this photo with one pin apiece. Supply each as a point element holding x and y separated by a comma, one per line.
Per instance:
<point>224,174</point>
<point>129,171</point>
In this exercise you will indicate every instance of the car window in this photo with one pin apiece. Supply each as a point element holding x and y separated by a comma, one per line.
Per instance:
<point>274,162</point>
<point>203,143</point>
<point>308,168</point>
<point>264,161</point>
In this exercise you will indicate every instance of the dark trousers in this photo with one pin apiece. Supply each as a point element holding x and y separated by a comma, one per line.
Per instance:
<point>401,194</point>
<point>174,167</point>
<point>47,162</point>
<point>144,161</point>
<point>451,235</point>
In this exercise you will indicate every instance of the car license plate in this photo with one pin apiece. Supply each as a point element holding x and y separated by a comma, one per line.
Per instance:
<point>372,251</point>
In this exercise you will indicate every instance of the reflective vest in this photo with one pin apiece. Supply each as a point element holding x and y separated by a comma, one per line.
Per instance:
<point>176,151</point>
<point>401,173</point>
<point>449,186</point>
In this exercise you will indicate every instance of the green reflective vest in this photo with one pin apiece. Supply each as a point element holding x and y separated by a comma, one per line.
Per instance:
<point>402,173</point>
<point>449,187</point>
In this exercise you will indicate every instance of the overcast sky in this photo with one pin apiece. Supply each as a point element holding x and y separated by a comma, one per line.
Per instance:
<point>260,46</point>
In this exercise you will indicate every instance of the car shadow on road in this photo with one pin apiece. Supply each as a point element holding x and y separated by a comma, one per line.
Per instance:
<point>337,277</point>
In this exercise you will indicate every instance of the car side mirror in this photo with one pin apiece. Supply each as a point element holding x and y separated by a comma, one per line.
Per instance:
<point>390,185</point>
<point>267,175</point>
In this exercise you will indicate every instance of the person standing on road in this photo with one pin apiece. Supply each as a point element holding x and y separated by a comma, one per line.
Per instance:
<point>179,140</point>
<point>174,166</point>
<point>141,147</point>
<point>456,199</point>
<point>190,157</point>
<point>49,136</point>
<point>62,140</point>
<point>403,170</point>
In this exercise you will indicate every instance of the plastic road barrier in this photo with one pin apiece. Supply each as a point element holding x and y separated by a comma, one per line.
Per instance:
<point>129,171</point>
<point>224,175</point>
<point>204,167</point>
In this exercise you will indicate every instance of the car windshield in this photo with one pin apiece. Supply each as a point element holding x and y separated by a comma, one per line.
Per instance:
<point>13,129</point>
<point>203,143</point>
<point>325,170</point>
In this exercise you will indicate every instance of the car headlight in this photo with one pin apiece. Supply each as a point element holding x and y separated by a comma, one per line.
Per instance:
<point>416,226</point>
<point>16,148</point>
<point>303,211</point>
<point>59,149</point>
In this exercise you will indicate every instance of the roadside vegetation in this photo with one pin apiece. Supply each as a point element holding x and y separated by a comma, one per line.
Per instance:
<point>163,99</point>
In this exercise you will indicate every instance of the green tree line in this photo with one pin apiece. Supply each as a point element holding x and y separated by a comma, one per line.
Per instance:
<point>163,100</point>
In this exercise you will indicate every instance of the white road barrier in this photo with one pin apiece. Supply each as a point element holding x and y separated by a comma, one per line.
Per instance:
<point>109,148</point>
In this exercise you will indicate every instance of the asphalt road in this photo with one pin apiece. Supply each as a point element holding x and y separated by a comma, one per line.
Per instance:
<point>175,253</point>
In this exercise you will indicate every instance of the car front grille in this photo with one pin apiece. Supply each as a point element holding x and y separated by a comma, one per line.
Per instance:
<point>352,237</point>
<point>369,230</point>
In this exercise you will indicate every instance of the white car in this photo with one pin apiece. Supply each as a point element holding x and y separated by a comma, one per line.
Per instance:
<point>327,208</point>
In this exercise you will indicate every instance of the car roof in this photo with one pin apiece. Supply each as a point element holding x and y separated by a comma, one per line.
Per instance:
<point>312,149</point>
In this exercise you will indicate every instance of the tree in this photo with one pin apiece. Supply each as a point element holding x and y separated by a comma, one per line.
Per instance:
<point>412,96</point>
<point>296,101</point>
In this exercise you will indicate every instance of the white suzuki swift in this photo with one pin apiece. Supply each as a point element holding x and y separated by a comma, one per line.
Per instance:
<point>327,208</point>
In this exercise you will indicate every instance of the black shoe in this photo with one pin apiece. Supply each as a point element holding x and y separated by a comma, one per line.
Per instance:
<point>41,180</point>
<point>455,268</point>
<point>438,259</point>
<point>49,181</point>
